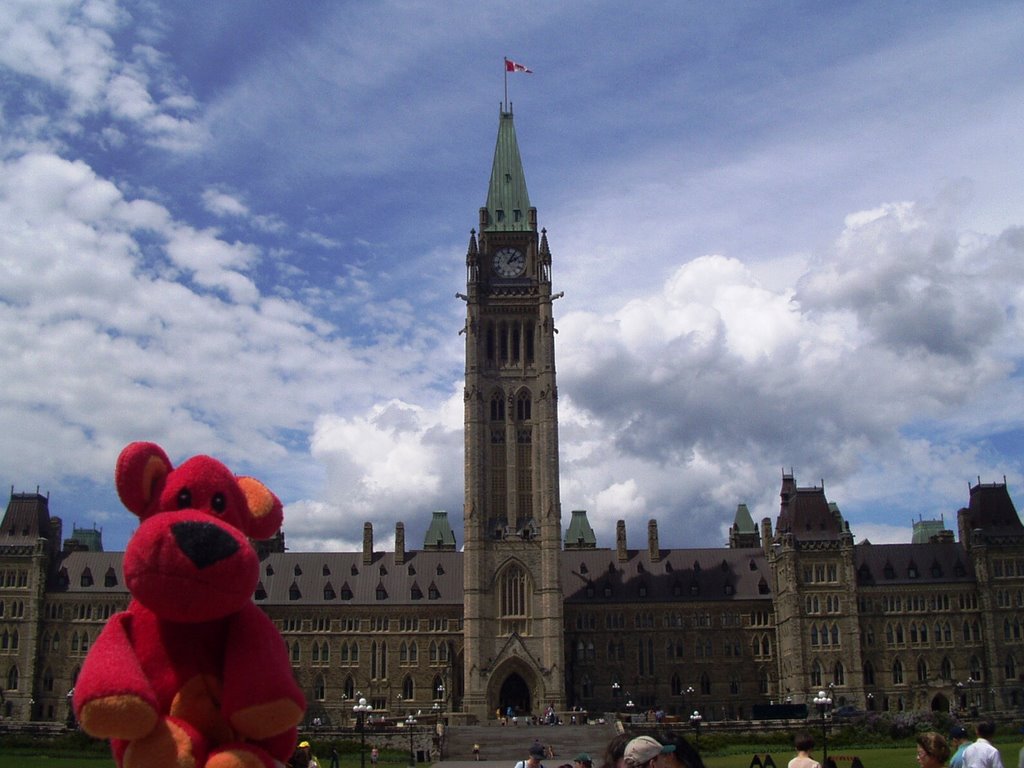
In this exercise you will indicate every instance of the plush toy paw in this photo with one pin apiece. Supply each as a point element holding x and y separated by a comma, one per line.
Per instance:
<point>261,721</point>
<point>123,716</point>
<point>241,756</point>
<point>172,744</point>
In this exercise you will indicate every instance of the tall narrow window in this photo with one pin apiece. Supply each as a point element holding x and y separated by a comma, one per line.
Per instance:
<point>524,455</point>
<point>515,614</point>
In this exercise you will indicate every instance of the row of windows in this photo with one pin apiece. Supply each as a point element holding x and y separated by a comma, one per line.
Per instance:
<point>349,691</point>
<point>919,633</point>
<point>329,593</point>
<point>325,569</point>
<point>589,621</point>
<point>761,646</point>
<point>509,343</point>
<point>821,573</point>
<point>372,624</point>
<point>864,574</point>
<point>16,610</point>
<point>693,589</point>
<point>14,578</point>
<point>946,671</point>
<point>1006,569</point>
<point>348,654</point>
<point>825,635</point>
<point>1006,598</point>
<point>815,604</point>
<point>678,688</point>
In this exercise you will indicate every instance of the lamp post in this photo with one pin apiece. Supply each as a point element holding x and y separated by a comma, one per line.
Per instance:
<point>629,706</point>
<point>410,722</point>
<point>695,721</point>
<point>824,703</point>
<point>615,694</point>
<point>359,709</point>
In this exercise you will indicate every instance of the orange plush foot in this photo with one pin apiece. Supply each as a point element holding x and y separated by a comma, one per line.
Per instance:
<point>241,756</point>
<point>261,721</point>
<point>117,717</point>
<point>170,744</point>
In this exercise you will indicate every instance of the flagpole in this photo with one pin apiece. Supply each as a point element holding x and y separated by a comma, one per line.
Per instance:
<point>505,67</point>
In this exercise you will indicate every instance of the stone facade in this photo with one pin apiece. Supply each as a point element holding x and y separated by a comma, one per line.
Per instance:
<point>528,614</point>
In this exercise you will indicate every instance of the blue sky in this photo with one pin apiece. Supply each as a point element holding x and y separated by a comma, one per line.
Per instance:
<point>790,236</point>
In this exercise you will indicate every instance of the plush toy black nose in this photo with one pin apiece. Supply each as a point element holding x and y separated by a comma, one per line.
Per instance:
<point>204,543</point>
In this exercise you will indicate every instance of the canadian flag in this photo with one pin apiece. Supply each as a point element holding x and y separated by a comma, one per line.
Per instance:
<point>511,66</point>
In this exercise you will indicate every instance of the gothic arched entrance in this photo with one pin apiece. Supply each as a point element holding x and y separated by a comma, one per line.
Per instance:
<point>940,703</point>
<point>515,693</point>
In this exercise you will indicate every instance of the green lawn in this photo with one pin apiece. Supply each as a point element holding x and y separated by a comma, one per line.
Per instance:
<point>871,757</point>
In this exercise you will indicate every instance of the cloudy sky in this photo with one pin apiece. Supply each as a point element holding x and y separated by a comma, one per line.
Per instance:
<point>790,236</point>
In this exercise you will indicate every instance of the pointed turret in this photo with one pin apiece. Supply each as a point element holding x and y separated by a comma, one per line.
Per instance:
<point>508,202</point>
<point>743,532</point>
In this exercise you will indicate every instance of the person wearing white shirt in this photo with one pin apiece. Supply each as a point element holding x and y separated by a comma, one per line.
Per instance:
<point>982,753</point>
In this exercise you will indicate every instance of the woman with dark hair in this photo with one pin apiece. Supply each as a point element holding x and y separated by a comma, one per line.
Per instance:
<point>804,743</point>
<point>678,753</point>
<point>932,750</point>
<point>615,751</point>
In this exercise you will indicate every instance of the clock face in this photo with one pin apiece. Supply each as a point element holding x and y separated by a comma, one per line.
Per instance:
<point>508,262</point>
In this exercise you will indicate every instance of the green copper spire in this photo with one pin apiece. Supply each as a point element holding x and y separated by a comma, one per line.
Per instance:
<point>508,203</point>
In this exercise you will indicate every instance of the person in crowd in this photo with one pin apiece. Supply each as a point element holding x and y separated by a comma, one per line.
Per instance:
<point>803,743</point>
<point>582,760</point>
<point>303,757</point>
<point>982,753</point>
<point>959,742</point>
<point>642,751</point>
<point>678,753</point>
<point>536,754</point>
<point>932,750</point>
<point>614,752</point>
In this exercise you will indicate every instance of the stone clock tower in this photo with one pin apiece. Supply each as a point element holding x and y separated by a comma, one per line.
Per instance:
<point>513,628</point>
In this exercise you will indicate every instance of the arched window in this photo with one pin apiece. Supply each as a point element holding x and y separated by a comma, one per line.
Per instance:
<point>839,674</point>
<point>12,679</point>
<point>408,691</point>
<point>946,670</point>
<point>497,407</point>
<point>1011,667</point>
<point>897,672</point>
<point>319,688</point>
<point>514,612</point>
<point>976,668</point>
<point>922,671</point>
<point>816,673</point>
<point>524,406</point>
<point>705,684</point>
<point>869,673</point>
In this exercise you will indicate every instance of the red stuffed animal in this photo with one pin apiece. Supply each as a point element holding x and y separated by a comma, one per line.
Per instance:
<point>193,674</point>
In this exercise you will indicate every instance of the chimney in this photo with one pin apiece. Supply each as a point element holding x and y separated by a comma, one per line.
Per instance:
<point>653,550</point>
<point>620,540</point>
<point>399,543</point>
<point>367,543</point>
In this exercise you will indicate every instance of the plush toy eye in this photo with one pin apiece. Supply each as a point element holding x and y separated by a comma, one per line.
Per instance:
<point>184,498</point>
<point>219,502</point>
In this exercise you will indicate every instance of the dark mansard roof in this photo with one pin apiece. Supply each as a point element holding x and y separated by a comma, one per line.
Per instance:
<point>713,574</point>
<point>919,564</point>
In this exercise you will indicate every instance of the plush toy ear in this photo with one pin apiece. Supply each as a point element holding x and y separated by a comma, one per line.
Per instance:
<point>265,511</point>
<point>141,471</point>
